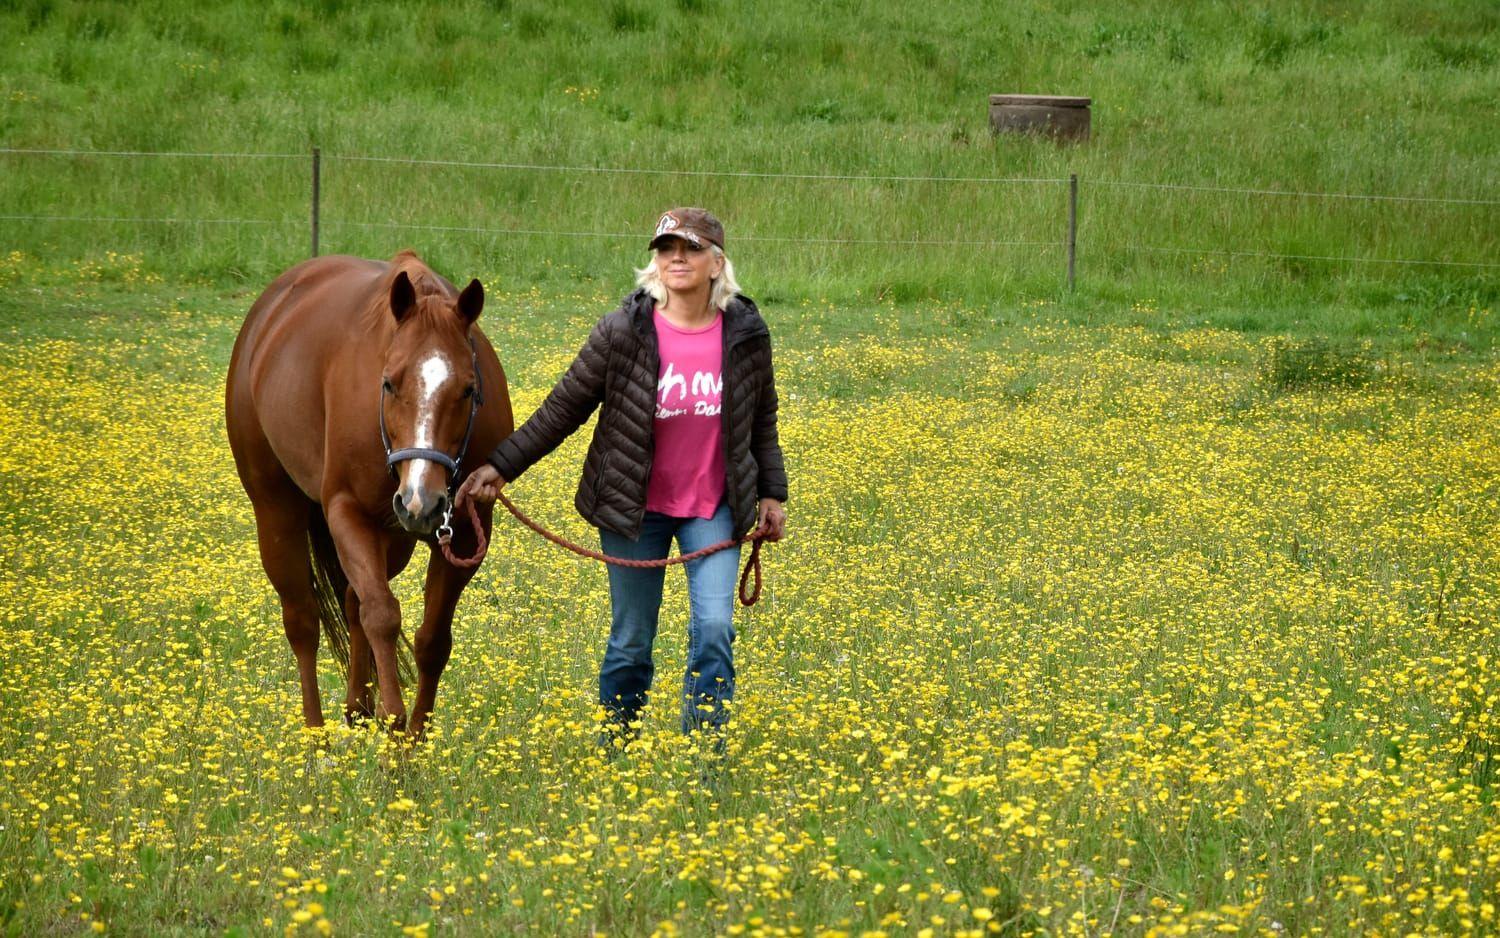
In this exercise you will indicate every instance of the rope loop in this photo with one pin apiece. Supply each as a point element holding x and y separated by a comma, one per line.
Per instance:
<point>752,566</point>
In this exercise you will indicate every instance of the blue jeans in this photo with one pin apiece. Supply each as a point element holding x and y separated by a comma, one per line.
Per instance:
<point>635,598</point>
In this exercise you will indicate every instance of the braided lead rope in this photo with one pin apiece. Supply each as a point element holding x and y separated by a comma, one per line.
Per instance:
<point>445,540</point>
<point>751,566</point>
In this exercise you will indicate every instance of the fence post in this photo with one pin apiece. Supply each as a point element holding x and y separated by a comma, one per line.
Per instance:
<point>316,195</point>
<point>1072,225</point>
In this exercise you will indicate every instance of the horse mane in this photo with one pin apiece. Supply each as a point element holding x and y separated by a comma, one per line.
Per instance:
<point>424,280</point>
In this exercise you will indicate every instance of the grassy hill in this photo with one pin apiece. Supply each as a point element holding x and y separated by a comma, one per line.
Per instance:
<point>1327,97</point>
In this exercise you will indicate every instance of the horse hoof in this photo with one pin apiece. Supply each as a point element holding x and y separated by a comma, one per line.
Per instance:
<point>354,719</point>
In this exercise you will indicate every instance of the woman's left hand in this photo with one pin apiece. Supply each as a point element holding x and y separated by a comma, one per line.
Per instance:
<point>772,519</point>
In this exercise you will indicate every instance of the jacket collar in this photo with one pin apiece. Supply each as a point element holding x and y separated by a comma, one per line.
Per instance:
<point>742,320</point>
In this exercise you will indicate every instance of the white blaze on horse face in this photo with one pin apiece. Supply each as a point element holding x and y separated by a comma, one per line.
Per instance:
<point>434,372</point>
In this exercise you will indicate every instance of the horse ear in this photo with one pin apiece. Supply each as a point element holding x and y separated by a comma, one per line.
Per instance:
<point>403,296</point>
<point>471,301</point>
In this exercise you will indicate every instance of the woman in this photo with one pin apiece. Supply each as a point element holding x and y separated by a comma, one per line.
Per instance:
<point>685,447</point>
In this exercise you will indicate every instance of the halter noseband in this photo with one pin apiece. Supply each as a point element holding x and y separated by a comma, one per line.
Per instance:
<point>451,463</point>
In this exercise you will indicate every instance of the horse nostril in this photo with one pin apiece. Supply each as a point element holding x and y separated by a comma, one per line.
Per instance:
<point>441,504</point>
<point>397,506</point>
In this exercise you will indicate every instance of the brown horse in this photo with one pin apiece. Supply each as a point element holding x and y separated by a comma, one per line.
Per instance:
<point>359,393</point>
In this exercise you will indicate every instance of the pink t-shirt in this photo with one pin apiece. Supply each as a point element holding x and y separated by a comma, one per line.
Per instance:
<point>687,471</point>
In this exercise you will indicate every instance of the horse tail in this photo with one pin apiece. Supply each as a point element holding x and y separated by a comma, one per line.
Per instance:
<point>331,585</point>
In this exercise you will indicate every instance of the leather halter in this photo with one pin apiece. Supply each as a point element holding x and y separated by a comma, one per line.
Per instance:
<point>452,464</point>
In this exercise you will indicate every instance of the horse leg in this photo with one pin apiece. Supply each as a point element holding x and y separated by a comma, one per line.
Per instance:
<point>359,703</point>
<point>434,643</point>
<point>363,552</point>
<point>281,527</point>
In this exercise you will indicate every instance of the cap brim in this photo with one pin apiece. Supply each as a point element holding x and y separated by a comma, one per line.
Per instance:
<point>688,236</point>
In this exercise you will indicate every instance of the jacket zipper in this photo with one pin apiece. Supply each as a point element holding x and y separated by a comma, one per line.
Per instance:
<point>726,367</point>
<point>654,350</point>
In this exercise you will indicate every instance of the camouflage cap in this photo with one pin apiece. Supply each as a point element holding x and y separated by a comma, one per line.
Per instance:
<point>695,225</point>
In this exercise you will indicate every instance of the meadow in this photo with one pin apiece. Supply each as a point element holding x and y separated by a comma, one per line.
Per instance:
<point>1080,629</point>
<point>1167,606</point>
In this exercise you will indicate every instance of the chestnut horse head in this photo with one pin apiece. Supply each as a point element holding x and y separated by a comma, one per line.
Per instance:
<point>429,394</point>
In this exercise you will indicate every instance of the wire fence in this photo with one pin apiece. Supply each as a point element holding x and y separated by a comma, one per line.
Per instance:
<point>636,236</point>
<point>1293,193</point>
<point>1066,241</point>
<point>1301,257</point>
<point>19,151</point>
<point>698,173</point>
<point>152,221</point>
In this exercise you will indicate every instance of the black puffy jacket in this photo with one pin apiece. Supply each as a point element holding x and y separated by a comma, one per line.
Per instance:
<point>618,367</point>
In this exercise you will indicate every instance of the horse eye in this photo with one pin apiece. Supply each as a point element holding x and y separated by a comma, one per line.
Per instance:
<point>468,392</point>
<point>386,386</point>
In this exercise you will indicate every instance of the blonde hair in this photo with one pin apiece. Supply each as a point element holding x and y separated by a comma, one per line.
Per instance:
<point>723,288</point>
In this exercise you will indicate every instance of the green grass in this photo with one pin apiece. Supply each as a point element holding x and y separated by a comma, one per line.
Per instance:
<point>1249,494</point>
<point>1370,98</point>
<point>1120,589</point>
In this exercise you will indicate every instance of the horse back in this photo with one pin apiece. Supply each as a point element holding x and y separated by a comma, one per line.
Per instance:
<point>301,333</point>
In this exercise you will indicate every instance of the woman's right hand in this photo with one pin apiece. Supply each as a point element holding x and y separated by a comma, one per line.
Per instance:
<point>482,485</point>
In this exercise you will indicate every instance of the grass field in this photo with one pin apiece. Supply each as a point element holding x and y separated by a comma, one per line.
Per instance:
<point>1081,629</point>
<point>1168,606</point>
<point>1329,97</point>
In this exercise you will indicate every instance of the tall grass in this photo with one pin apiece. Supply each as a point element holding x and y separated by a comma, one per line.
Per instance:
<point>1368,98</point>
